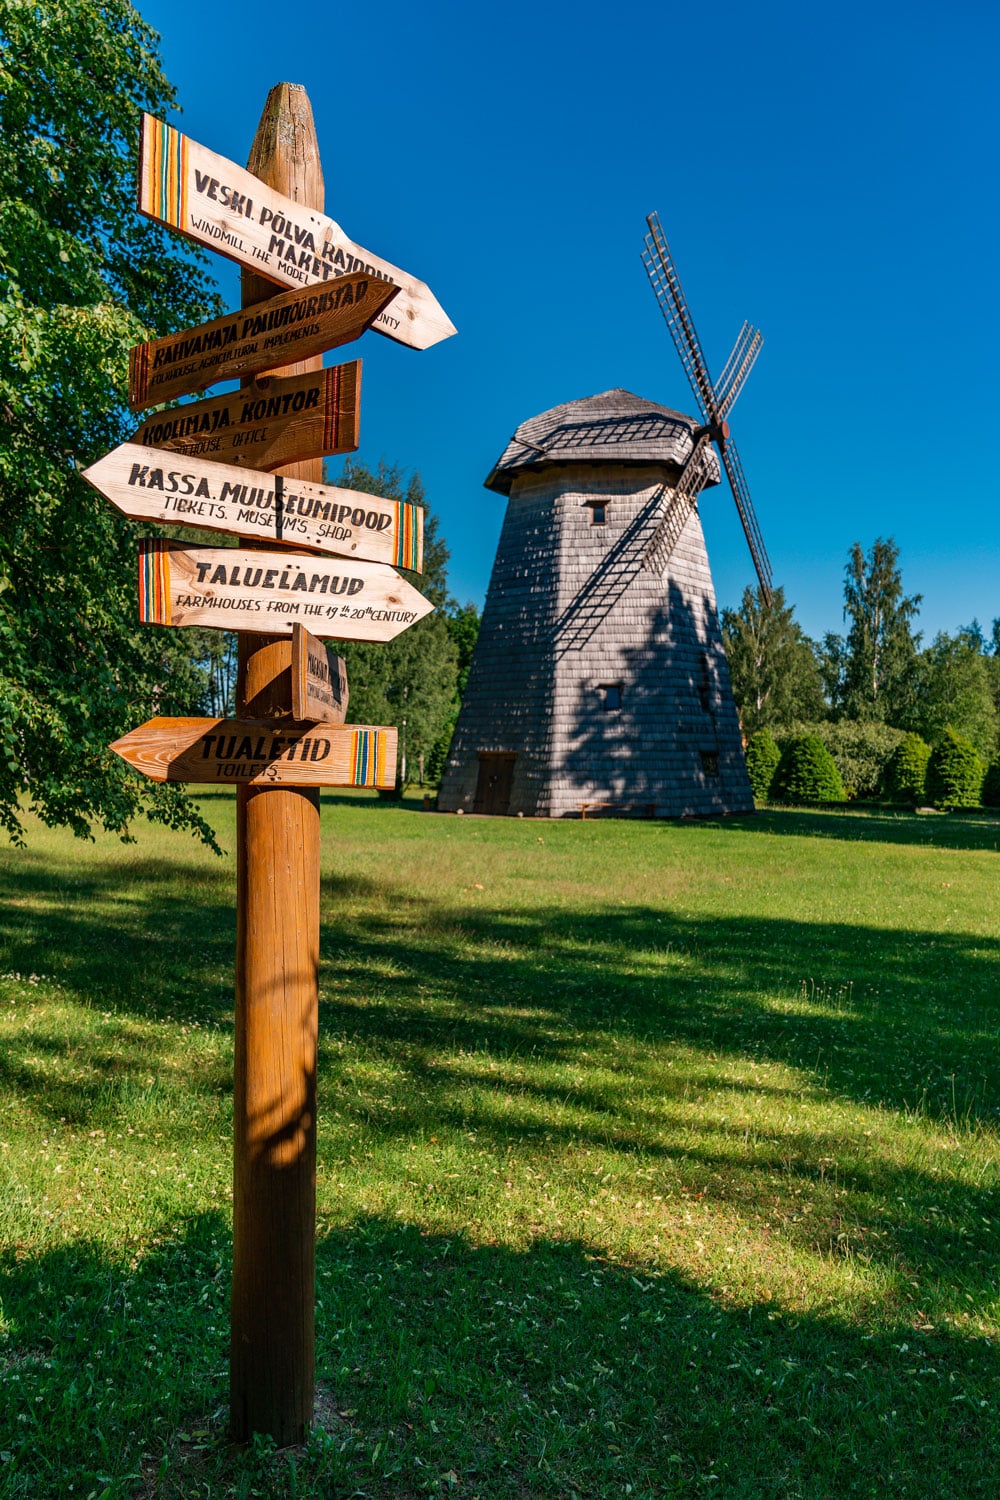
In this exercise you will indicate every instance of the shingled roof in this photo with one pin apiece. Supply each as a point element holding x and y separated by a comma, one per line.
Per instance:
<point>614,427</point>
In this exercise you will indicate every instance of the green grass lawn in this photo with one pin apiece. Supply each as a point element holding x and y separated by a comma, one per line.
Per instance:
<point>654,1160</point>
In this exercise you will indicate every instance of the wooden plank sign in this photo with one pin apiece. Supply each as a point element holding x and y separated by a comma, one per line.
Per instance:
<point>225,588</point>
<point>216,203</point>
<point>146,484</point>
<point>319,680</point>
<point>267,424</point>
<point>240,752</point>
<point>292,327</point>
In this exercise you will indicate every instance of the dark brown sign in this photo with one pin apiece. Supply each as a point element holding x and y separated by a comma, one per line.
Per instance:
<point>288,328</point>
<point>267,424</point>
<point>319,680</point>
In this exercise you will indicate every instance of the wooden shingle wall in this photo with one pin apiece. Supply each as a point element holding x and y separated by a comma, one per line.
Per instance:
<point>571,614</point>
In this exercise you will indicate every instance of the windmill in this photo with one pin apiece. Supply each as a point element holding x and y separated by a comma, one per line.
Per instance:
<point>599,683</point>
<point>715,400</point>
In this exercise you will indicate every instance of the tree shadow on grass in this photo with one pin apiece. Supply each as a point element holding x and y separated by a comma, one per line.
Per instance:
<point>454,1367</point>
<point>882,1016</point>
<point>877,825</point>
<point>450,998</point>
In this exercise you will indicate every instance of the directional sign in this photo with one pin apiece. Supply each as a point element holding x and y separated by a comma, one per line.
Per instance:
<point>215,202</point>
<point>267,424</point>
<point>257,754</point>
<point>226,588</point>
<point>149,485</point>
<point>292,327</point>
<point>319,680</point>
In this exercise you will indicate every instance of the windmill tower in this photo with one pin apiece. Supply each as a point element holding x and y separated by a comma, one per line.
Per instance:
<point>599,681</point>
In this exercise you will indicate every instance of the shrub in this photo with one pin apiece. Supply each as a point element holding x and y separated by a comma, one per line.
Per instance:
<point>807,772</point>
<point>861,751</point>
<point>991,786</point>
<point>906,773</point>
<point>763,756</point>
<point>954,773</point>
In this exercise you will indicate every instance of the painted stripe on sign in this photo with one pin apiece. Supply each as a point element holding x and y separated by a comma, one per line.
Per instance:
<point>154,582</point>
<point>368,756</point>
<point>409,536</point>
<point>166,185</point>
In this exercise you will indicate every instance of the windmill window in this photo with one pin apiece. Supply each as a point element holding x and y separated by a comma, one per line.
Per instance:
<point>705,684</point>
<point>598,514</point>
<point>710,762</point>
<point>611,696</point>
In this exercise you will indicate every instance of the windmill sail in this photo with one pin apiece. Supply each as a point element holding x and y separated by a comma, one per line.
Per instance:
<point>715,400</point>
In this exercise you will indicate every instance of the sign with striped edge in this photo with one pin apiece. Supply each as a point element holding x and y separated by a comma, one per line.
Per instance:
<point>226,588</point>
<point>147,484</point>
<point>272,422</point>
<point>295,326</point>
<point>241,752</point>
<point>216,203</point>
<point>319,680</point>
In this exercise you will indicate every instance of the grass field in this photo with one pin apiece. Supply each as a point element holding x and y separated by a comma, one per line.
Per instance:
<point>654,1160</point>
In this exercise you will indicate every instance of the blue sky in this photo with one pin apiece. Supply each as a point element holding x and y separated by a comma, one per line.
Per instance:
<point>828,172</point>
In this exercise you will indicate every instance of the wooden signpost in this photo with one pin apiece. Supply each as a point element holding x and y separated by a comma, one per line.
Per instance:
<point>319,680</point>
<point>296,325</point>
<point>233,751</point>
<point>227,588</point>
<point>216,203</point>
<point>147,485</point>
<point>266,424</point>
<point>288,737</point>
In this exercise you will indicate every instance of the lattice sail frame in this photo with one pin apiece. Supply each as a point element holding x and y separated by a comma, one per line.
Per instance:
<point>715,400</point>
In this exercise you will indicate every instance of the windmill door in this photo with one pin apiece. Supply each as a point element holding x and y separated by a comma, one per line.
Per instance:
<point>496,775</point>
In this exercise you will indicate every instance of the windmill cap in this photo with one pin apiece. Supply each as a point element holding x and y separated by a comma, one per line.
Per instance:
<point>614,427</point>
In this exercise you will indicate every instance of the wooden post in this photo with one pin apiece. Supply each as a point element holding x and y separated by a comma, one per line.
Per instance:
<point>272,1350</point>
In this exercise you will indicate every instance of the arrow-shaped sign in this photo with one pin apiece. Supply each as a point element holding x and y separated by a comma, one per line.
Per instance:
<point>319,680</point>
<point>215,202</point>
<point>267,424</point>
<point>234,751</point>
<point>292,327</point>
<point>147,484</point>
<point>226,588</point>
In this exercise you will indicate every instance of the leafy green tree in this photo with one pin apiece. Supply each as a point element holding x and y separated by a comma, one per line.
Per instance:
<point>772,664</point>
<point>906,773</point>
<point>807,772</point>
<point>763,757</point>
<point>954,772</point>
<point>956,688</point>
<point>82,278</point>
<point>411,680</point>
<point>871,673</point>
<point>463,626</point>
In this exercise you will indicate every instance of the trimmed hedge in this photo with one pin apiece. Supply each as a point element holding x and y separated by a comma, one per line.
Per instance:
<point>906,773</point>
<point>807,772</point>
<point>862,752</point>
<point>763,756</point>
<point>954,773</point>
